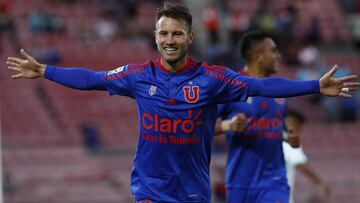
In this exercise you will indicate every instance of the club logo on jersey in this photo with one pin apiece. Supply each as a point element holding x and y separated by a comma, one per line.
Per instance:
<point>249,100</point>
<point>191,94</point>
<point>152,90</point>
<point>118,70</point>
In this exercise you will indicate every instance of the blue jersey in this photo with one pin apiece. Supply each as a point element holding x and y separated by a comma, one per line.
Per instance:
<point>177,113</point>
<point>255,155</point>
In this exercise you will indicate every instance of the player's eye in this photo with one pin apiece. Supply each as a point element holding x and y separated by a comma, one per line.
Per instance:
<point>178,33</point>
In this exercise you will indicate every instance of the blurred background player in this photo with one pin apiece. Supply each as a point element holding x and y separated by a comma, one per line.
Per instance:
<point>296,159</point>
<point>256,170</point>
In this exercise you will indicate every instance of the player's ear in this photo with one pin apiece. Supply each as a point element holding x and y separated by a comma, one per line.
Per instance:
<point>191,37</point>
<point>255,57</point>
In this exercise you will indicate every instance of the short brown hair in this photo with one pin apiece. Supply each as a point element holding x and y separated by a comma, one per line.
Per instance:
<point>178,12</point>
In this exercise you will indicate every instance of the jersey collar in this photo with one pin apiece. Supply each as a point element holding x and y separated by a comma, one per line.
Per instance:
<point>189,63</point>
<point>244,72</point>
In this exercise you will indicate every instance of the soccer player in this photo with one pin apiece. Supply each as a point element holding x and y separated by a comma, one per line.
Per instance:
<point>177,101</point>
<point>255,170</point>
<point>295,158</point>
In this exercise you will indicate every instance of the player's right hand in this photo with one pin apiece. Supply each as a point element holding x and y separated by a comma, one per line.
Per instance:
<point>25,68</point>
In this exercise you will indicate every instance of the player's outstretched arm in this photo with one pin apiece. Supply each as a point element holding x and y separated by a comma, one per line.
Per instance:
<point>25,68</point>
<point>77,78</point>
<point>281,87</point>
<point>341,87</point>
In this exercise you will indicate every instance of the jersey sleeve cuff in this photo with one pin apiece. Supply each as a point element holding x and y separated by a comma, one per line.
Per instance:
<point>49,71</point>
<point>316,86</point>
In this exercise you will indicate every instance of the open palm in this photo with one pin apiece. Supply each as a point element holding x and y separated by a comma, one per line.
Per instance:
<point>25,68</point>
<point>331,86</point>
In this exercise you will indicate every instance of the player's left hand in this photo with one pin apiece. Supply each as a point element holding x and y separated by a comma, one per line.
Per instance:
<point>238,123</point>
<point>338,87</point>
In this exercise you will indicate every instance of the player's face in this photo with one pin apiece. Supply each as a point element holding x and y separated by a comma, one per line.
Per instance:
<point>270,56</point>
<point>173,38</point>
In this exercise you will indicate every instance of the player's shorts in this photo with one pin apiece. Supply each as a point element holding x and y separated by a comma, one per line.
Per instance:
<point>273,194</point>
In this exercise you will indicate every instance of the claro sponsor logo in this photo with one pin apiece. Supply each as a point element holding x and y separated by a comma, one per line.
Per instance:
<point>164,130</point>
<point>264,123</point>
<point>167,125</point>
<point>262,127</point>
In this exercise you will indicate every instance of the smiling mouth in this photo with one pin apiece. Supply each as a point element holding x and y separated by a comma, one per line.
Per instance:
<point>170,50</point>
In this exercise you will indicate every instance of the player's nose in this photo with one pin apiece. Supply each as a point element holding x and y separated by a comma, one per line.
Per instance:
<point>169,40</point>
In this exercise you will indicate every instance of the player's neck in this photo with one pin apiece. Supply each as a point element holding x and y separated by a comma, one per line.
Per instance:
<point>254,71</point>
<point>174,67</point>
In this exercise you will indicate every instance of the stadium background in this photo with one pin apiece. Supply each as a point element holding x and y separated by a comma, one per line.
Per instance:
<point>61,145</point>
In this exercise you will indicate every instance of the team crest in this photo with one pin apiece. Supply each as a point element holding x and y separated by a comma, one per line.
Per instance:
<point>152,90</point>
<point>191,94</point>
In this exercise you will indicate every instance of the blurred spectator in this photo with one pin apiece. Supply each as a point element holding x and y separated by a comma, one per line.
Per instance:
<point>238,23</point>
<point>313,32</point>
<point>354,24</point>
<point>85,31</point>
<point>349,109</point>
<point>111,8</point>
<point>310,60</point>
<point>342,109</point>
<point>310,66</point>
<point>37,22</point>
<point>309,56</point>
<point>348,6</point>
<point>91,136</point>
<point>47,55</point>
<point>266,19</point>
<point>131,8</point>
<point>9,184</point>
<point>106,29</point>
<point>285,20</point>
<point>7,25</point>
<point>42,21</point>
<point>211,21</point>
